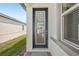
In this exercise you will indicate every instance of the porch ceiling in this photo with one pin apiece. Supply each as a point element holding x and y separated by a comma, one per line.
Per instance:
<point>25,5</point>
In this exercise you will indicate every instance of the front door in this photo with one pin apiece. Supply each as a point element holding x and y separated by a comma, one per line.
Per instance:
<point>40,27</point>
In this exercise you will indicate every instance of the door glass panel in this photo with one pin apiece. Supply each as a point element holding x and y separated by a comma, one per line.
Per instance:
<point>39,27</point>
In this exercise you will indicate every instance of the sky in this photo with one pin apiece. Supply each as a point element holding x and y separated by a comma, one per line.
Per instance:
<point>13,10</point>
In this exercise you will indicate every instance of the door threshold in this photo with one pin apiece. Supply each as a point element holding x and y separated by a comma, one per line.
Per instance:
<point>40,49</point>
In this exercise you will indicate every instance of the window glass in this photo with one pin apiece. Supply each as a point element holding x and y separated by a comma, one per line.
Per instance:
<point>71,26</point>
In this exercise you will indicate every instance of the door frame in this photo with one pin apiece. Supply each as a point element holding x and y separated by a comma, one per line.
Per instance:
<point>33,26</point>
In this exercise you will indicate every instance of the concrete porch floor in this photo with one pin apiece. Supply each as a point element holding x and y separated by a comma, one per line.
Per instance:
<point>38,54</point>
<point>23,52</point>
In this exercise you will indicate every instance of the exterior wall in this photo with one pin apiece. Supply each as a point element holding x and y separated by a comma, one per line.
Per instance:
<point>9,28</point>
<point>10,31</point>
<point>55,43</point>
<point>54,29</point>
<point>56,50</point>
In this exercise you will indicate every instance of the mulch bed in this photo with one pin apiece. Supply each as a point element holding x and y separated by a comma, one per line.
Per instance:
<point>22,51</point>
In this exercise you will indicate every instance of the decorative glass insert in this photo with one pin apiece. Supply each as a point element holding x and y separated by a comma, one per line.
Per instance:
<point>40,27</point>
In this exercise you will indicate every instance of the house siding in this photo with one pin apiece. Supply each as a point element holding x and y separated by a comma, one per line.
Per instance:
<point>55,31</point>
<point>10,29</point>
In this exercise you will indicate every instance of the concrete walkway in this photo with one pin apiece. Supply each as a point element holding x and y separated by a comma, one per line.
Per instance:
<point>22,51</point>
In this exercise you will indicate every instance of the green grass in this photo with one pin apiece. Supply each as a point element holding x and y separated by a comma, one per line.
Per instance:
<point>12,47</point>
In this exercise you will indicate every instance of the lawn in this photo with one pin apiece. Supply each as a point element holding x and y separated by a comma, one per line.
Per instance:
<point>12,47</point>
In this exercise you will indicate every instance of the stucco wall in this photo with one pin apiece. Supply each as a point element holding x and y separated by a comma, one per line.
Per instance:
<point>9,28</point>
<point>10,31</point>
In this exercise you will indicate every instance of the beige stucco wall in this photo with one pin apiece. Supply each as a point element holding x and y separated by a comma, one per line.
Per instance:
<point>9,28</point>
<point>10,31</point>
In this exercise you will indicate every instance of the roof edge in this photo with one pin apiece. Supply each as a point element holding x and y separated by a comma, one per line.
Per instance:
<point>23,6</point>
<point>11,18</point>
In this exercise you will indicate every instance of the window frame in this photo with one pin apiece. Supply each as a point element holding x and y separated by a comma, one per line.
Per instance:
<point>70,10</point>
<point>66,6</point>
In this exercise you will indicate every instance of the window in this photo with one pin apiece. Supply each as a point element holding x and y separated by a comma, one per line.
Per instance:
<point>66,6</point>
<point>71,26</point>
<point>22,27</point>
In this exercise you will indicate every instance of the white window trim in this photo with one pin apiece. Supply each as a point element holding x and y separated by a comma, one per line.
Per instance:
<point>71,9</point>
<point>71,44</point>
<point>74,7</point>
